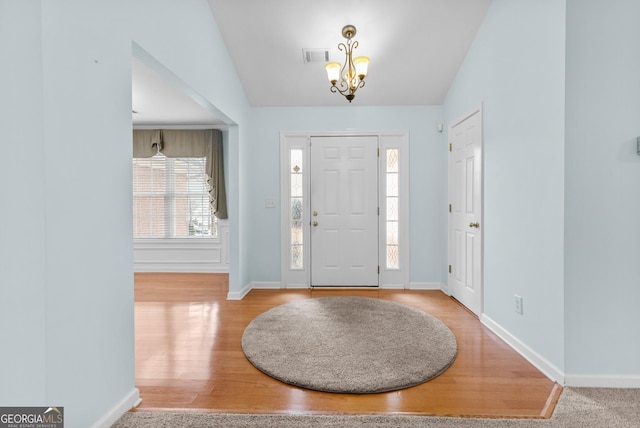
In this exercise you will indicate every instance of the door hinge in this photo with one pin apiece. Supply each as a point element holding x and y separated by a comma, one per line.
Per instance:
<point>378,269</point>
<point>450,147</point>
<point>378,210</point>
<point>449,207</point>
<point>378,151</point>
<point>449,268</point>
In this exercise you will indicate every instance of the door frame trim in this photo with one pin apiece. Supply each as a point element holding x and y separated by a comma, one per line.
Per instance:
<point>389,278</point>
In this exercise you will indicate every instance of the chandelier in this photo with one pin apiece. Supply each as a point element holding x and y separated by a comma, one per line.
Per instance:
<point>348,77</point>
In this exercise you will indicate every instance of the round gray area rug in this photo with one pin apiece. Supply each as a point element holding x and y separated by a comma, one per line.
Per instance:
<point>349,345</point>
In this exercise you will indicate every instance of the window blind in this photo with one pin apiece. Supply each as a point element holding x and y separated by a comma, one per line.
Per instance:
<point>171,198</point>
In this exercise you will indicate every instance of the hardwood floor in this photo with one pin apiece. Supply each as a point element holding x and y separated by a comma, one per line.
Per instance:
<point>189,357</point>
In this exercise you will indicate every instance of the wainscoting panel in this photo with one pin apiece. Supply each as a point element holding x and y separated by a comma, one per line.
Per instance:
<point>183,255</point>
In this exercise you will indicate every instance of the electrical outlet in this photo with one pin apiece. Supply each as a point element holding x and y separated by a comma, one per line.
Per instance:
<point>270,203</point>
<point>518,300</point>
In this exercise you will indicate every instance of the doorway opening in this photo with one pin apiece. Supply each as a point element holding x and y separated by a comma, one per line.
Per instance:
<point>175,231</point>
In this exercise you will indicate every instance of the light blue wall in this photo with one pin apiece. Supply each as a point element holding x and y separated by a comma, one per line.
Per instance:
<point>427,180</point>
<point>89,288</point>
<point>66,253</point>
<point>239,187</point>
<point>515,68</point>
<point>22,222</point>
<point>602,235</point>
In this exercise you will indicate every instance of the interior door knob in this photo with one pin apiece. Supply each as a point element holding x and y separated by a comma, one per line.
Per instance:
<point>315,224</point>
<point>476,225</point>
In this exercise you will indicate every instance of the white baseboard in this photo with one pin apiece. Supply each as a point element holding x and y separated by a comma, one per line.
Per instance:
<point>413,286</point>
<point>265,285</point>
<point>602,381</point>
<point>392,286</point>
<point>425,286</point>
<point>239,295</point>
<point>296,286</point>
<point>128,402</point>
<point>550,370</point>
<point>273,285</point>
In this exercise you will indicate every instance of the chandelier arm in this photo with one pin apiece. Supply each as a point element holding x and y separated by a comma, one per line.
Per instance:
<point>345,91</point>
<point>348,78</point>
<point>347,63</point>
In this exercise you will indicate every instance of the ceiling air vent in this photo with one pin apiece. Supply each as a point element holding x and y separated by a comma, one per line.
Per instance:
<point>315,55</point>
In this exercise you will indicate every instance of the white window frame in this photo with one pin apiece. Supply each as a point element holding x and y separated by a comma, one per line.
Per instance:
<point>294,278</point>
<point>397,277</point>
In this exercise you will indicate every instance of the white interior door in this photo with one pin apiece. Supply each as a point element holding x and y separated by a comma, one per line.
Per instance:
<point>465,219</point>
<point>344,211</point>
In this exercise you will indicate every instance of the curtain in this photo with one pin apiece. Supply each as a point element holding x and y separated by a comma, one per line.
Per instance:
<point>183,143</point>
<point>146,143</point>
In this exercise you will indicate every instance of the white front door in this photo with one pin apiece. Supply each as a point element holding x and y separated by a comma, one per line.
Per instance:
<point>465,219</point>
<point>344,211</point>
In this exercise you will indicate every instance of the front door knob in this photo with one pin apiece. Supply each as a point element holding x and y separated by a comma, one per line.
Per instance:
<point>315,224</point>
<point>476,225</point>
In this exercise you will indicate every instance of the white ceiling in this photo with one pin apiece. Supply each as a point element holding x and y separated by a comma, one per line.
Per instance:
<point>156,101</point>
<point>415,46</point>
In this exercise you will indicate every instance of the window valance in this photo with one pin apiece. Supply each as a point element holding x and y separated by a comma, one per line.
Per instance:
<point>187,143</point>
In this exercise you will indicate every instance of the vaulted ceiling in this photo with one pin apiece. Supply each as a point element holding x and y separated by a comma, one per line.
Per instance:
<point>416,48</point>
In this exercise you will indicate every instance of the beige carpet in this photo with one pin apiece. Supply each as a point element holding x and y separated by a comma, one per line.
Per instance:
<point>577,408</point>
<point>349,345</point>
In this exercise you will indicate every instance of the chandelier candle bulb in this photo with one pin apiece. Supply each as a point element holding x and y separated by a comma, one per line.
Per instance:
<point>333,71</point>
<point>362,66</point>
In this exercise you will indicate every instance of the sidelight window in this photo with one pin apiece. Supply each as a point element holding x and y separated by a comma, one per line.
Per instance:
<point>392,209</point>
<point>296,260</point>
